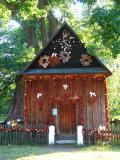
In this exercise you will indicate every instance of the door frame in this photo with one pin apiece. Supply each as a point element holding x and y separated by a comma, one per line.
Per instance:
<point>78,113</point>
<point>57,120</point>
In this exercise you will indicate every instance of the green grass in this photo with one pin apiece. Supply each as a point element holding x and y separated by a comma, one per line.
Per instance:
<point>113,148</point>
<point>58,152</point>
<point>117,117</point>
<point>2,117</point>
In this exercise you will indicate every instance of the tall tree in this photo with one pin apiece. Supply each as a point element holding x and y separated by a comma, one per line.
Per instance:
<point>39,24</point>
<point>98,29</point>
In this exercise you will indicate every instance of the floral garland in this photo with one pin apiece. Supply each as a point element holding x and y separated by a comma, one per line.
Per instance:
<point>51,108</point>
<point>45,129</point>
<point>25,105</point>
<point>82,114</point>
<point>106,105</point>
<point>26,109</point>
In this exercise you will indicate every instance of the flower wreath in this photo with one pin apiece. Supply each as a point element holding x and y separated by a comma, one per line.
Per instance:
<point>64,56</point>
<point>44,61</point>
<point>86,60</point>
<point>54,60</point>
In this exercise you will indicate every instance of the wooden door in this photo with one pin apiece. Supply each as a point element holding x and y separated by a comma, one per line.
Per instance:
<point>67,118</point>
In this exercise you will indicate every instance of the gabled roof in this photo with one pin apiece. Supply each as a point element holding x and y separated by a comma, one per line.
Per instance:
<point>65,53</point>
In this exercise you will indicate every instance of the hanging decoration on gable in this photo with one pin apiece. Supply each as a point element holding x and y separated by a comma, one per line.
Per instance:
<point>62,49</point>
<point>66,47</point>
<point>44,61</point>
<point>86,60</point>
<point>54,60</point>
<point>64,44</point>
<point>65,56</point>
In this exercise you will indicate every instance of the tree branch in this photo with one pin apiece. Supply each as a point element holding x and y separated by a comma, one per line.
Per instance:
<point>12,6</point>
<point>43,29</point>
<point>7,5</point>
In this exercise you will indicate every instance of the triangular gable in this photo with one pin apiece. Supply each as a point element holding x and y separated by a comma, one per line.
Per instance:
<point>65,50</point>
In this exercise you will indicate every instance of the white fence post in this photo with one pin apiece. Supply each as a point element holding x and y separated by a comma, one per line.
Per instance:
<point>79,135</point>
<point>51,135</point>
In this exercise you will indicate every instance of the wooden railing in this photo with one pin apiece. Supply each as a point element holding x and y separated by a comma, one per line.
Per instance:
<point>19,136</point>
<point>97,136</point>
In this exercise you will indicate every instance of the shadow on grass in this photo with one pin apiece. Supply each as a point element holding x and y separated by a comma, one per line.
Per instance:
<point>12,152</point>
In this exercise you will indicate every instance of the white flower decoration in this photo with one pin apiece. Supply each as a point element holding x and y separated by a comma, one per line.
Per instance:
<point>54,54</point>
<point>64,56</point>
<point>44,61</point>
<point>65,86</point>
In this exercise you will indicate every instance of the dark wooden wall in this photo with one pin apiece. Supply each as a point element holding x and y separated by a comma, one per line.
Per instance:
<point>37,110</point>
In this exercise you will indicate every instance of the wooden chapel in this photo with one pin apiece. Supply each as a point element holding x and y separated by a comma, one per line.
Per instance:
<point>65,86</point>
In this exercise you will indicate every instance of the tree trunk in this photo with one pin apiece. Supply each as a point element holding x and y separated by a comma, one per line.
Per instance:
<point>30,36</point>
<point>16,107</point>
<point>43,30</point>
<point>53,24</point>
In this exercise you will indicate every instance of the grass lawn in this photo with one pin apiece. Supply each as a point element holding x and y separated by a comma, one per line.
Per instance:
<point>117,117</point>
<point>59,152</point>
<point>2,117</point>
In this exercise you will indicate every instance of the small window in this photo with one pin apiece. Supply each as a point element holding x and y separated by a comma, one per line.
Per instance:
<point>54,112</point>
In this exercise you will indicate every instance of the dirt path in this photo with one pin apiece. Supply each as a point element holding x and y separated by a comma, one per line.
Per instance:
<point>76,156</point>
<point>73,153</point>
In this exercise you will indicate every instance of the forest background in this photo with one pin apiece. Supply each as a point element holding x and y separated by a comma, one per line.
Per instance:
<point>27,25</point>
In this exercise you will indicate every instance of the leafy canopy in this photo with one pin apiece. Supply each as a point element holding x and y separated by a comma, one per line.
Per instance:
<point>98,28</point>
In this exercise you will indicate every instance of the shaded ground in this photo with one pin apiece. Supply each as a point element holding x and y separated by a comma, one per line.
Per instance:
<point>3,117</point>
<point>58,152</point>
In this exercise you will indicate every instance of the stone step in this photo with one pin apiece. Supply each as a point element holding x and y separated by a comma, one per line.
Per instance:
<point>66,137</point>
<point>65,141</point>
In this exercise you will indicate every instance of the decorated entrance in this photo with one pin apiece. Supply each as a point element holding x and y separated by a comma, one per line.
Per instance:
<point>66,114</point>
